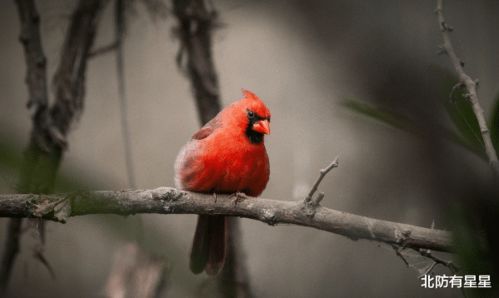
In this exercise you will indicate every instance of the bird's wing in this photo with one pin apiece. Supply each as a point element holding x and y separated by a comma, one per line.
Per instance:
<point>207,129</point>
<point>189,166</point>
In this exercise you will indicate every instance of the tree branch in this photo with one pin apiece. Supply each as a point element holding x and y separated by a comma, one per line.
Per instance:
<point>69,79</point>
<point>120,31</point>
<point>36,63</point>
<point>166,200</point>
<point>36,81</point>
<point>196,22</point>
<point>103,50</point>
<point>50,125</point>
<point>310,203</point>
<point>470,84</point>
<point>11,250</point>
<point>436,260</point>
<point>322,174</point>
<point>234,280</point>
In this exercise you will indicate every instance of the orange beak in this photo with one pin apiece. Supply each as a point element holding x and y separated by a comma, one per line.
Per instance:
<point>262,126</point>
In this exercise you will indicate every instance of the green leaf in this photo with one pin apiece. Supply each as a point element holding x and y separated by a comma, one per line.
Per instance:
<point>382,115</point>
<point>460,112</point>
<point>403,123</point>
<point>494,124</point>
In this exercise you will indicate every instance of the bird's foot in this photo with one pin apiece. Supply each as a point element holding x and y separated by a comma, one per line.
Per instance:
<point>238,197</point>
<point>215,196</point>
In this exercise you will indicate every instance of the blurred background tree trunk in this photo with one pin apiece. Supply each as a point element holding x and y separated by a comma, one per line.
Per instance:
<point>50,123</point>
<point>196,24</point>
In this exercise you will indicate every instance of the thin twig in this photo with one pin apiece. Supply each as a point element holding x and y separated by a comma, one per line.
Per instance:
<point>449,264</point>
<point>11,250</point>
<point>120,31</point>
<point>103,50</point>
<point>425,253</point>
<point>429,269</point>
<point>428,254</point>
<point>471,87</point>
<point>322,174</point>
<point>311,202</point>
<point>40,256</point>
<point>398,250</point>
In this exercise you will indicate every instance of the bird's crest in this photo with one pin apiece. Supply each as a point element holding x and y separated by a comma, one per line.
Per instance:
<point>254,103</point>
<point>249,95</point>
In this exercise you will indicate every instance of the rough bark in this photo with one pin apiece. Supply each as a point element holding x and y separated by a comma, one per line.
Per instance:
<point>166,200</point>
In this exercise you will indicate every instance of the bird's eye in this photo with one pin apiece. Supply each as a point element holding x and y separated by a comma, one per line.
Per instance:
<point>251,114</point>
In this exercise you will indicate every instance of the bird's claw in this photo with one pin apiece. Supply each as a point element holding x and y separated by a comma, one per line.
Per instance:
<point>238,197</point>
<point>215,196</point>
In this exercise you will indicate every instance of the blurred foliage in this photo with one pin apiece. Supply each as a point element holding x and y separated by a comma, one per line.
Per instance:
<point>460,112</point>
<point>382,115</point>
<point>401,122</point>
<point>475,238</point>
<point>465,130</point>
<point>494,123</point>
<point>474,216</point>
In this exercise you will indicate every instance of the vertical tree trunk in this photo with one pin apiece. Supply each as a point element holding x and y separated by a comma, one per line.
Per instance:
<point>50,125</point>
<point>195,26</point>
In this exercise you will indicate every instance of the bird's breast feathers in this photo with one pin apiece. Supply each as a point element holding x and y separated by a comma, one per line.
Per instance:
<point>228,153</point>
<point>223,165</point>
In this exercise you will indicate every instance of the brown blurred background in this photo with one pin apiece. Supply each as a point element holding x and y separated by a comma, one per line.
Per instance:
<point>303,58</point>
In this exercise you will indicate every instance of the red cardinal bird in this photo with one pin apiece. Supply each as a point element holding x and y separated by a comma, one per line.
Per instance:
<point>227,155</point>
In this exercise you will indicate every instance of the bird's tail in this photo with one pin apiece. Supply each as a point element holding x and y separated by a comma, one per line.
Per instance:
<point>209,247</point>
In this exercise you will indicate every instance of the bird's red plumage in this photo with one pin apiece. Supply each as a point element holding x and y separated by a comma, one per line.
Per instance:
<point>221,158</point>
